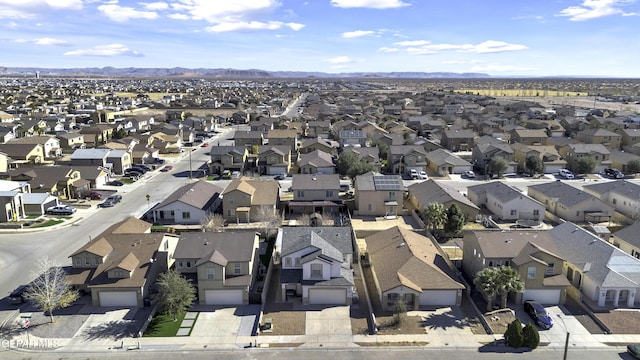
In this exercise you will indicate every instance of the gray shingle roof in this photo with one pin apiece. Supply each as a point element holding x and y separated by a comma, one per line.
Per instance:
<point>234,246</point>
<point>500,190</point>
<point>431,191</point>
<point>298,238</point>
<point>620,187</point>
<point>564,194</point>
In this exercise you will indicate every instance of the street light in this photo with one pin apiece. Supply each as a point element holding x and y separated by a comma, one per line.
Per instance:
<point>566,340</point>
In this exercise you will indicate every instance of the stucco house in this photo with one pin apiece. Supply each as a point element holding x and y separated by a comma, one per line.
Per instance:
<point>623,195</point>
<point>627,239</point>
<point>189,204</point>
<point>408,266</point>
<point>378,195</point>
<point>570,203</point>
<point>223,266</point>
<point>423,193</point>
<point>274,159</point>
<point>316,264</point>
<point>442,162</point>
<point>318,193</point>
<point>505,202</point>
<point>244,199</point>
<point>232,158</point>
<point>120,266</point>
<point>316,162</point>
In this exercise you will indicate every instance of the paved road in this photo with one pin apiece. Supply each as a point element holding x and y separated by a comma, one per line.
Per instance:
<point>20,250</point>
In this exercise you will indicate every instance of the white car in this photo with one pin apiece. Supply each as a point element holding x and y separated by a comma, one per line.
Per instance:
<point>423,175</point>
<point>413,173</point>
<point>470,174</point>
<point>564,173</point>
<point>61,210</point>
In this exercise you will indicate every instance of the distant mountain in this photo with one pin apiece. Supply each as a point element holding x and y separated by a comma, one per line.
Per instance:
<point>179,72</point>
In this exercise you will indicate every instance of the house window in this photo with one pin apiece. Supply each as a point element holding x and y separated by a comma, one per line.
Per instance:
<point>188,264</point>
<point>615,201</point>
<point>287,262</point>
<point>77,261</point>
<point>87,261</point>
<point>172,213</point>
<point>300,193</point>
<point>513,212</point>
<point>210,273</point>
<point>577,213</point>
<point>186,215</point>
<point>392,194</point>
<point>96,261</point>
<point>536,212</point>
<point>237,268</point>
<point>230,199</point>
<point>531,272</point>
<point>316,270</point>
<point>297,261</point>
<point>549,270</point>
<point>329,193</point>
<point>180,265</point>
<point>392,298</point>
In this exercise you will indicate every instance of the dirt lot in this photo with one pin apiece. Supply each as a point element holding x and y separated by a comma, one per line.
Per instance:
<point>622,321</point>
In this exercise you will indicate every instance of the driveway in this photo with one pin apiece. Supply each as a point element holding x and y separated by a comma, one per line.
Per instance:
<point>225,321</point>
<point>328,325</point>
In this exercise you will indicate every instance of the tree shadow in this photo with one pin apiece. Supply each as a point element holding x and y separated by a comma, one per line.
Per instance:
<point>444,321</point>
<point>499,346</point>
<point>110,330</point>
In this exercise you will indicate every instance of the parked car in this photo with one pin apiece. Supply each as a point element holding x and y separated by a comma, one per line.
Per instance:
<point>133,173</point>
<point>634,350</point>
<point>280,177</point>
<point>95,195</point>
<point>614,173</point>
<point>139,169</point>
<point>115,198</point>
<point>167,168</point>
<point>115,183</point>
<point>538,314</point>
<point>61,210</point>
<point>17,295</point>
<point>226,174</point>
<point>143,166</point>
<point>423,175</point>
<point>205,144</point>
<point>470,174</point>
<point>413,173</point>
<point>566,174</point>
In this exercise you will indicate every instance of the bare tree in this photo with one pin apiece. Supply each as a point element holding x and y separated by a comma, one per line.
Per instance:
<point>303,220</point>
<point>270,219</point>
<point>212,223</point>
<point>50,291</point>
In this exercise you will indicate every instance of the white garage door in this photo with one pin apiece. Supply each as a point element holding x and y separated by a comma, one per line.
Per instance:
<point>438,297</point>
<point>223,297</point>
<point>118,298</point>
<point>546,297</point>
<point>327,296</point>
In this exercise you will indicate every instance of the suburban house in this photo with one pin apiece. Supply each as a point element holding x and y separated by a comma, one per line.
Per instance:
<point>248,138</point>
<point>569,203</point>
<point>423,193</point>
<point>627,239</point>
<point>283,138</point>
<point>223,266</point>
<point>316,162</point>
<point>322,144</point>
<point>379,195</point>
<point>12,205</point>
<point>622,194</point>
<point>90,157</point>
<point>352,138</point>
<point>572,153</point>
<point>232,158</point>
<point>402,158</point>
<point>458,140</point>
<point>369,155</point>
<point>318,193</point>
<point>120,266</point>
<point>629,137</point>
<point>319,128</point>
<point>607,138</point>
<point>274,159</point>
<point>528,136</point>
<point>118,161</point>
<point>50,144</point>
<point>505,202</point>
<point>23,155</point>
<point>482,154</point>
<point>246,200</point>
<point>409,267</point>
<point>551,159</point>
<point>604,275</point>
<point>62,181</point>
<point>316,264</point>
<point>442,162</point>
<point>533,254</point>
<point>188,205</point>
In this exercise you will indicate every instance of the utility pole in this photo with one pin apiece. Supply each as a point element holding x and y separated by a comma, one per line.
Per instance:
<point>190,172</point>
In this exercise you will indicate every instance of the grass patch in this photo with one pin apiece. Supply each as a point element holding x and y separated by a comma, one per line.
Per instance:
<point>163,326</point>
<point>159,228</point>
<point>51,222</point>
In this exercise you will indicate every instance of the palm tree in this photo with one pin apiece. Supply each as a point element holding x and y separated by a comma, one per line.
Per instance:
<point>509,280</point>
<point>488,281</point>
<point>435,215</point>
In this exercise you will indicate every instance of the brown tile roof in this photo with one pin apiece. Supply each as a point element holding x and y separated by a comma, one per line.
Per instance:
<point>402,257</point>
<point>198,194</point>
<point>130,225</point>
<point>263,192</point>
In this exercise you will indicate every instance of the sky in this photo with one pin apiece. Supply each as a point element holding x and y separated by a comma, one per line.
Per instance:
<point>496,37</point>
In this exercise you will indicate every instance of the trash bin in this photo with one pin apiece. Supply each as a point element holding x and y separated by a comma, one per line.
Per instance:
<point>147,302</point>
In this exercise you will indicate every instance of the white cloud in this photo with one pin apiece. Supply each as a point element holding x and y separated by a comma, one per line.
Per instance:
<point>340,60</point>
<point>374,4</point>
<point>388,49</point>
<point>156,6</point>
<point>119,13</point>
<point>253,25</point>
<point>50,42</point>
<point>424,47</point>
<point>357,34</point>
<point>179,16</point>
<point>228,11</point>
<point>592,9</point>
<point>28,9</point>
<point>105,50</point>
<point>11,25</point>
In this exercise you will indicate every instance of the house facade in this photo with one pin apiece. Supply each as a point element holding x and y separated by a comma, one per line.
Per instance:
<point>188,205</point>
<point>379,195</point>
<point>505,202</point>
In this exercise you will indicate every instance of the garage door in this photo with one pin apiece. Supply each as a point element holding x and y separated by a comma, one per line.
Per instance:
<point>327,296</point>
<point>546,297</point>
<point>438,297</point>
<point>118,298</point>
<point>223,297</point>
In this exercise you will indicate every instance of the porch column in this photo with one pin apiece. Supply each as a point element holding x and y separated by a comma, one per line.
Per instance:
<point>616,297</point>
<point>602,298</point>
<point>631,298</point>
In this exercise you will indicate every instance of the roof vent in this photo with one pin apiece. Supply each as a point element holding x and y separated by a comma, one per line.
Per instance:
<point>402,244</point>
<point>314,178</point>
<point>206,243</point>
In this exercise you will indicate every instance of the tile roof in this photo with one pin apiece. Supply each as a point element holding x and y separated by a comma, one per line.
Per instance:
<point>218,247</point>
<point>431,191</point>
<point>199,194</point>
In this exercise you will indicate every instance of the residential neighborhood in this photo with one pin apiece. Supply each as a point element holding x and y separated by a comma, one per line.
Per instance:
<point>275,205</point>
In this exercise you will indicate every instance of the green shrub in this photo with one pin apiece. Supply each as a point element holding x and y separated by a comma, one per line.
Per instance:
<point>513,335</point>
<point>531,336</point>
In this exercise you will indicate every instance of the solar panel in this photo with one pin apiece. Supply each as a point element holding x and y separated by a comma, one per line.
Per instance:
<point>388,183</point>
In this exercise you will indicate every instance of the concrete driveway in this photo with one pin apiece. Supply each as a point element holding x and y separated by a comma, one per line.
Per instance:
<point>221,322</point>
<point>328,325</point>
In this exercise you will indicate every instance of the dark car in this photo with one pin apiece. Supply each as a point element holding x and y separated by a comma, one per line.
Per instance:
<point>142,166</point>
<point>634,350</point>
<point>115,183</point>
<point>280,177</point>
<point>17,295</point>
<point>614,173</point>
<point>133,173</point>
<point>538,314</point>
<point>114,198</point>
<point>138,169</point>
<point>107,203</point>
<point>95,195</point>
